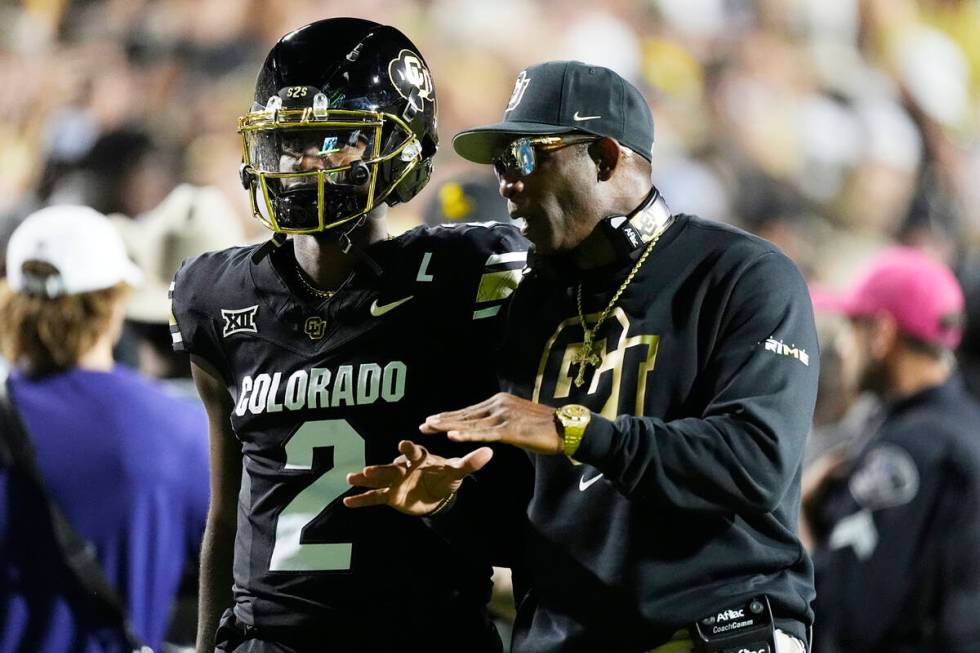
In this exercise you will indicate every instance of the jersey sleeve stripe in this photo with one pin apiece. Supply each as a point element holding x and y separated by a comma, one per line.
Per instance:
<point>495,286</point>
<point>481,313</point>
<point>506,257</point>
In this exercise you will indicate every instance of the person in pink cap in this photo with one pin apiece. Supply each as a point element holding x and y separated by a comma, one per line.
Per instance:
<point>894,524</point>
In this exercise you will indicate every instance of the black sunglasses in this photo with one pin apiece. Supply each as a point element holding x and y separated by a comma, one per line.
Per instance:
<point>519,157</point>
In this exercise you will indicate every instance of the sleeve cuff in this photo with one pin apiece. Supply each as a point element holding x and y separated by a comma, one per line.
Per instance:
<point>597,440</point>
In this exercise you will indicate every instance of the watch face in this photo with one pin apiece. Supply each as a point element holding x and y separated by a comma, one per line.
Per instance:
<point>574,411</point>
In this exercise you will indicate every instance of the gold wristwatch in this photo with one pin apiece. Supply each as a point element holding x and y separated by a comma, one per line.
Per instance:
<point>571,420</point>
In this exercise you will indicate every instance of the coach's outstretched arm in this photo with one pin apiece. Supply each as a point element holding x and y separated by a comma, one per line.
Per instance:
<point>217,551</point>
<point>741,454</point>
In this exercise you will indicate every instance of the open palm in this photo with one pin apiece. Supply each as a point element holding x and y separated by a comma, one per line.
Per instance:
<point>416,482</point>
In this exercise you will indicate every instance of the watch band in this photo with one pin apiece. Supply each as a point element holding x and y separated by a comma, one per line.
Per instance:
<point>572,420</point>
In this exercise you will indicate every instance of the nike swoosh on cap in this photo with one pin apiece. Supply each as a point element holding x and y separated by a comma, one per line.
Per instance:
<point>581,118</point>
<point>584,485</point>
<point>379,310</point>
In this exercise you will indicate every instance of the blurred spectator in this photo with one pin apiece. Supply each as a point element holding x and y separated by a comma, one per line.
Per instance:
<point>124,461</point>
<point>840,103</point>
<point>190,221</point>
<point>968,354</point>
<point>470,198</point>
<point>843,413</point>
<point>894,524</point>
<point>124,172</point>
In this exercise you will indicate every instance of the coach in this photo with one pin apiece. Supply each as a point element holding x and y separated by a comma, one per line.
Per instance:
<point>659,369</point>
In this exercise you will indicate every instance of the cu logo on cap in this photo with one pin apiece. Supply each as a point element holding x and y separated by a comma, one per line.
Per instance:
<point>519,87</point>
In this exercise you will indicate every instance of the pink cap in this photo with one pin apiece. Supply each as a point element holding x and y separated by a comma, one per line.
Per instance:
<point>919,292</point>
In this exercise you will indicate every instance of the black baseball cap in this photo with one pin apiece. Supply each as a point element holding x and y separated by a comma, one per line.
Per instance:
<point>559,97</point>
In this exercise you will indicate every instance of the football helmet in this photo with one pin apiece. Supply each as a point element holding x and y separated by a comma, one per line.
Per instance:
<point>343,119</point>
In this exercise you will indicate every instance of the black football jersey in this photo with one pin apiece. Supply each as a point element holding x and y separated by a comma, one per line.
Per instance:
<point>323,388</point>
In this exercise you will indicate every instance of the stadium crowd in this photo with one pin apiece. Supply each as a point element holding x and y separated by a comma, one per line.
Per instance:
<point>835,129</point>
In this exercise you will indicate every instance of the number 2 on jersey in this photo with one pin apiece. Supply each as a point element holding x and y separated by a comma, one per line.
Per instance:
<point>289,554</point>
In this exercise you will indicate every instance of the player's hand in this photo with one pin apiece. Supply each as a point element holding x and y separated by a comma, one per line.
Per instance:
<point>501,418</point>
<point>416,482</point>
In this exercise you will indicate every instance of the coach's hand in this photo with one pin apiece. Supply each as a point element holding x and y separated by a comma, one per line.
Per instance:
<point>501,418</point>
<point>416,482</point>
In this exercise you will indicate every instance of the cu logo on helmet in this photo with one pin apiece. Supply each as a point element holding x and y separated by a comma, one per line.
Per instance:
<point>411,78</point>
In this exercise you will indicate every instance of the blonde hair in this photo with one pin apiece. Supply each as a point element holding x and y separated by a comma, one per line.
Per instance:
<point>50,334</point>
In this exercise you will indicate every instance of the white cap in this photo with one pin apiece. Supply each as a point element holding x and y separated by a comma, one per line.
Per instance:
<point>79,242</point>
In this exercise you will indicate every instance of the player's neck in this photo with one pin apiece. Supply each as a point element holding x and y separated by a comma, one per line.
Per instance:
<point>322,258</point>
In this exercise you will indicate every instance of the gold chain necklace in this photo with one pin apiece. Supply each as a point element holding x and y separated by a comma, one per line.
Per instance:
<point>589,353</point>
<point>322,294</point>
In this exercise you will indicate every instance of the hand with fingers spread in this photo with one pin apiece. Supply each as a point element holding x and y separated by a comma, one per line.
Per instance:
<point>501,418</point>
<point>416,482</point>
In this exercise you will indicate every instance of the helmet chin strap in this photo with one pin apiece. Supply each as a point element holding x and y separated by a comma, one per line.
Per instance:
<point>347,246</point>
<point>266,248</point>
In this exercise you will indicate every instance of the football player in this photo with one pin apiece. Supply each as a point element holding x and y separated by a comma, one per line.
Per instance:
<point>315,353</point>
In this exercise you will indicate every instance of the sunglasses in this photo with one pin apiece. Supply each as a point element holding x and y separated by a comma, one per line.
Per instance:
<point>519,157</point>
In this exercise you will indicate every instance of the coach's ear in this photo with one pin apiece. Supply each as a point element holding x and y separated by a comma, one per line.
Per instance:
<point>606,154</point>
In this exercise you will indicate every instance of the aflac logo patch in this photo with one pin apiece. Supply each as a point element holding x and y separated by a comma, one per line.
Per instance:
<point>239,321</point>
<point>729,614</point>
<point>411,78</point>
<point>519,87</point>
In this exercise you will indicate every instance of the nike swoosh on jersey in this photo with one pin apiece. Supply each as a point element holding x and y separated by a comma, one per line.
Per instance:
<point>584,485</point>
<point>581,118</point>
<point>379,310</point>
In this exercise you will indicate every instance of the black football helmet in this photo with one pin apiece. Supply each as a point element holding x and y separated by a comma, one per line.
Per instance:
<point>344,118</point>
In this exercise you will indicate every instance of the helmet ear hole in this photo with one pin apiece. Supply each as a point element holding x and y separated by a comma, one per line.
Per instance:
<point>359,173</point>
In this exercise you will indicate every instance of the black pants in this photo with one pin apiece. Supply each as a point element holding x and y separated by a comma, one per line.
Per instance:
<point>451,630</point>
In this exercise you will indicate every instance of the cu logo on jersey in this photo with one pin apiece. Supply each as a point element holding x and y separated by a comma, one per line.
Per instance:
<point>519,87</point>
<point>240,320</point>
<point>315,327</point>
<point>411,78</point>
<point>618,382</point>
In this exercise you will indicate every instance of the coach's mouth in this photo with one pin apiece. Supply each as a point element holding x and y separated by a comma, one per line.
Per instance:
<point>537,231</point>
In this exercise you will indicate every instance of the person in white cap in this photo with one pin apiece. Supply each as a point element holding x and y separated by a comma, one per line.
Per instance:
<point>125,462</point>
